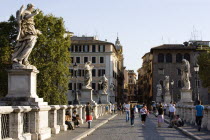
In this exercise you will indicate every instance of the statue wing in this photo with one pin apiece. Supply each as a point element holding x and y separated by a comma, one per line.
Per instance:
<point>19,20</point>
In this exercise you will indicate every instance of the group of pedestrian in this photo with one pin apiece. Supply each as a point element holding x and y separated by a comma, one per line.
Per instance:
<point>73,121</point>
<point>131,109</point>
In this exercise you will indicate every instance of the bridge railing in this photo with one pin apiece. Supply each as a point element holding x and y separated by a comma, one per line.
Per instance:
<point>188,114</point>
<point>28,122</point>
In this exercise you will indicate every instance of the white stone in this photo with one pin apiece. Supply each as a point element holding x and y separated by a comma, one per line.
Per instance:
<point>167,98</point>
<point>186,97</point>
<point>104,98</point>
<point>87,96</point>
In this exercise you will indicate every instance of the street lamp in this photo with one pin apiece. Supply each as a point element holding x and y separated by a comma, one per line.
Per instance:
<point>172,94</point>
<point>99,101</point>
<point>75,67</point>
<point>196,69</point>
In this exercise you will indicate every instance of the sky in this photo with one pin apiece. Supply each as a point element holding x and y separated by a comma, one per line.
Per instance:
<point>139,24</point>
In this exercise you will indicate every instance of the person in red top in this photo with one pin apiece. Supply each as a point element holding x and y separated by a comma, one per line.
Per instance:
<point>89,116</point>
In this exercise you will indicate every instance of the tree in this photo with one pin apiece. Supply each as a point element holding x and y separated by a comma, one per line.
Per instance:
<point>8,34</point>
<point>204,64</point>
<point>51,57</point>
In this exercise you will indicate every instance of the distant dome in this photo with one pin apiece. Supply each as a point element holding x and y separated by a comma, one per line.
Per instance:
<point>118,45</point>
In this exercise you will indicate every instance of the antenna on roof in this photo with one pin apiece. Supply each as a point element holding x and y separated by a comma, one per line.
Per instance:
<point>162,40</point>
<point>194,34</point>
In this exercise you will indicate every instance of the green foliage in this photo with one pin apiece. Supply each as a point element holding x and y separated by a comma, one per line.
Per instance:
<point>204,64</point>
<point>7,40</point>
<point>50,55</point>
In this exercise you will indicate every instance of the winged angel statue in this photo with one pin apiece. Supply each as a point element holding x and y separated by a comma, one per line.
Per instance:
<point>26,38</point>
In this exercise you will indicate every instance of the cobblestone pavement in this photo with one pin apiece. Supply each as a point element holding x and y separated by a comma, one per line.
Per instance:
<point>118,129</point>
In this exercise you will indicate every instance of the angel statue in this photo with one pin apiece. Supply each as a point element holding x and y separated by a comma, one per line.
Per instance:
<point>88,74</point>
<point>104,83</point>
<point>26,38</point>
<point>185,71</point>
<point>166,84</point>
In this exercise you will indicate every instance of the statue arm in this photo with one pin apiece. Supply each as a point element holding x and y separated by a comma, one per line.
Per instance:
<point>31,15</point>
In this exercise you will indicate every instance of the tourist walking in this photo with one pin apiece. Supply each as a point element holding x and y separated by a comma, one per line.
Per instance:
<point>132,111</point>
<point>144,113</point>
<point>199,114</point>
<point>160,115</point>
<point>165,107</point>
<point>127,111</point>
<point>170,105</point>
<point>113,108</point>
<point>172,110</point>
<point>89,116</point>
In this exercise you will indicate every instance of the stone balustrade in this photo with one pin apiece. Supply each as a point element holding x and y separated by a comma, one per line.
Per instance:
<point>188,113</point>
<point>31,122</point>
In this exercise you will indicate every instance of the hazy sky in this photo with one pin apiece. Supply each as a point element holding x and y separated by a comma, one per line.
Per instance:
<point>140,24</point>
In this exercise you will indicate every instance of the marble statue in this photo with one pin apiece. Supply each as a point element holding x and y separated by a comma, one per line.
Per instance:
<point>166,84</point>
<point>185,74</point>
<point>104,83</point>
<point>159,90</point>
<point>88,74</point>
<point>26,38</point>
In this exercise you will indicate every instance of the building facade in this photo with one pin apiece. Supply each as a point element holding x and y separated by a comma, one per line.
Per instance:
<point>167,61</point>
<point>131,88</point>
<point>145,80</point>
<point>105,58</point>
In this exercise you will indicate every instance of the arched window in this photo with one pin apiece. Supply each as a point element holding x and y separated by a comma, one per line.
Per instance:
<point>168,58</point>
<point>187,56</point>
<point>179,84</point>
<point>160,57</point>
<point>179,58</point>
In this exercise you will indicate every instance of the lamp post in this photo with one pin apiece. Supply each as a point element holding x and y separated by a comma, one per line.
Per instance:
<point>172,94</point>
<point>75,67</point>
<point>196,69</point>
<point>99,101</point>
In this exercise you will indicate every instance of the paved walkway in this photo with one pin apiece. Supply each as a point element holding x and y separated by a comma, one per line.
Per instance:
<point>71,134</point>
<point>118,129</point>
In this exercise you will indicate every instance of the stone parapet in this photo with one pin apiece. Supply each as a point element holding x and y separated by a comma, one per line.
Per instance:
<point>39,122</point>
<point>188,113</point>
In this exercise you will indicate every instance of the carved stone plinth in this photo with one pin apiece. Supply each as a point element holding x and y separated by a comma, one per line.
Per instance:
<point>186,97</point>
<point>22,88</point>
<point>104,98</point>
<point>158,99</point>
<point>87,96</point>
<point>167,98</point>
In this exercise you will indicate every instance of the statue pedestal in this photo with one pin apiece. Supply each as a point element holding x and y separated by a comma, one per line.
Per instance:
<point>87,96</point>
<point>22,88</point>
<point>167,98</point>
<point>158,99</point>
<point>186,97</point>
<point>104,99</point>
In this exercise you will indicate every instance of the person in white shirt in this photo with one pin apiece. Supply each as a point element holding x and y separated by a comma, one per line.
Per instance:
<point>112,108</point>
<point>144,113</point>
<point>127,110</point>
<point>172,111</point>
